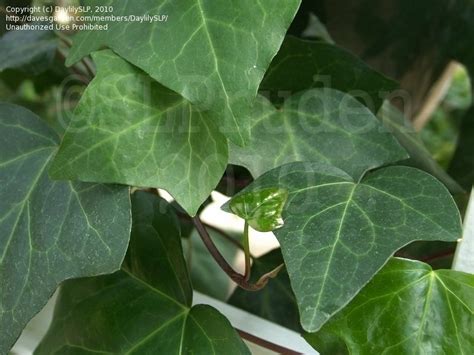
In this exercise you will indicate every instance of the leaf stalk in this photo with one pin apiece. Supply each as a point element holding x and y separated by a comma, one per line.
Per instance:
<point>237,277</point>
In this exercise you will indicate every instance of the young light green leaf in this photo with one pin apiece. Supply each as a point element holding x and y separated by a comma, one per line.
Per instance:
<point>212,53</point>
<point>302,65</point>
<point>261,209</point>
<point>321,125</point>
<point>50,231</point>
<point>146,307</point>
<point>338,233</point>
<point>129,129</point>
<point>406,309</point>
<point>29,50</point>
<point>420,157</point>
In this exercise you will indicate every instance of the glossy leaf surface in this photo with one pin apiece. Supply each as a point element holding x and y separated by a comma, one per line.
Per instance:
<point>338,233</point>
<point>261,209</point>
<point>49,231</point>
<point>212,53</point>
<point>146,307</point>
<point>129,129</point>
<point>406,309</point>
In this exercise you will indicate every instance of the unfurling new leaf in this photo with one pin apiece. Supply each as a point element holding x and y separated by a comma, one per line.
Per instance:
<point>261,209</point>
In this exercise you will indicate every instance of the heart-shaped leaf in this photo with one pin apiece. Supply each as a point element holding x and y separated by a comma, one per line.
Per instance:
<point>406,309</point>
<point>50,231</point>
<point>212,53</point>
<point>338,233</point>
<point>261,209</point>
<point>322,125</point>
<point>129,129</point>
<point>146,307</point>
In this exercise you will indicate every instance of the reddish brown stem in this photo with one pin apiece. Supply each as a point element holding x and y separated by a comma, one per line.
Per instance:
<point>440,255</point>
<point>237,277</point>
<point>220,233</point>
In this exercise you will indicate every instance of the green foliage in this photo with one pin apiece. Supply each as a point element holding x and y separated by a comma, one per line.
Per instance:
<point>308,127</point>
<point>338,232</point>
<point>302,64</point>
<point>210,97</point>
<point>160,141</point>
<point>261,209</point>
<point>138,310</point>
<point>211,56</point>
<point>30,51</point>
<point>410,309</point>
<point>51,231</point>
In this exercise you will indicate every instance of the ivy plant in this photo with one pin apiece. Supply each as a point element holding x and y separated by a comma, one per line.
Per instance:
<point>255,96</point>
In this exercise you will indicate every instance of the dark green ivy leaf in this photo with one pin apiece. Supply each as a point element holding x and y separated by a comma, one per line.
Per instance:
<point>302,65</point>
<point>50,231</point>
<point>129,129</point>
<point>338,233</point>
<point>322,125</point>
<point>406,309</point>
<point>29,50</point>
<point>261,209</point>
<point>146,307</point>
<point>212,53</point>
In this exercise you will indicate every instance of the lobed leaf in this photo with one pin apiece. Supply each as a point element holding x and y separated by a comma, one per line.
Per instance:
<point>406,309</point>
<point>50,231</point>
<point>338,233</point>
<point>212,53</point>
<point>129,129</point>
<point>320,125</point>
<point>146,307</point>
